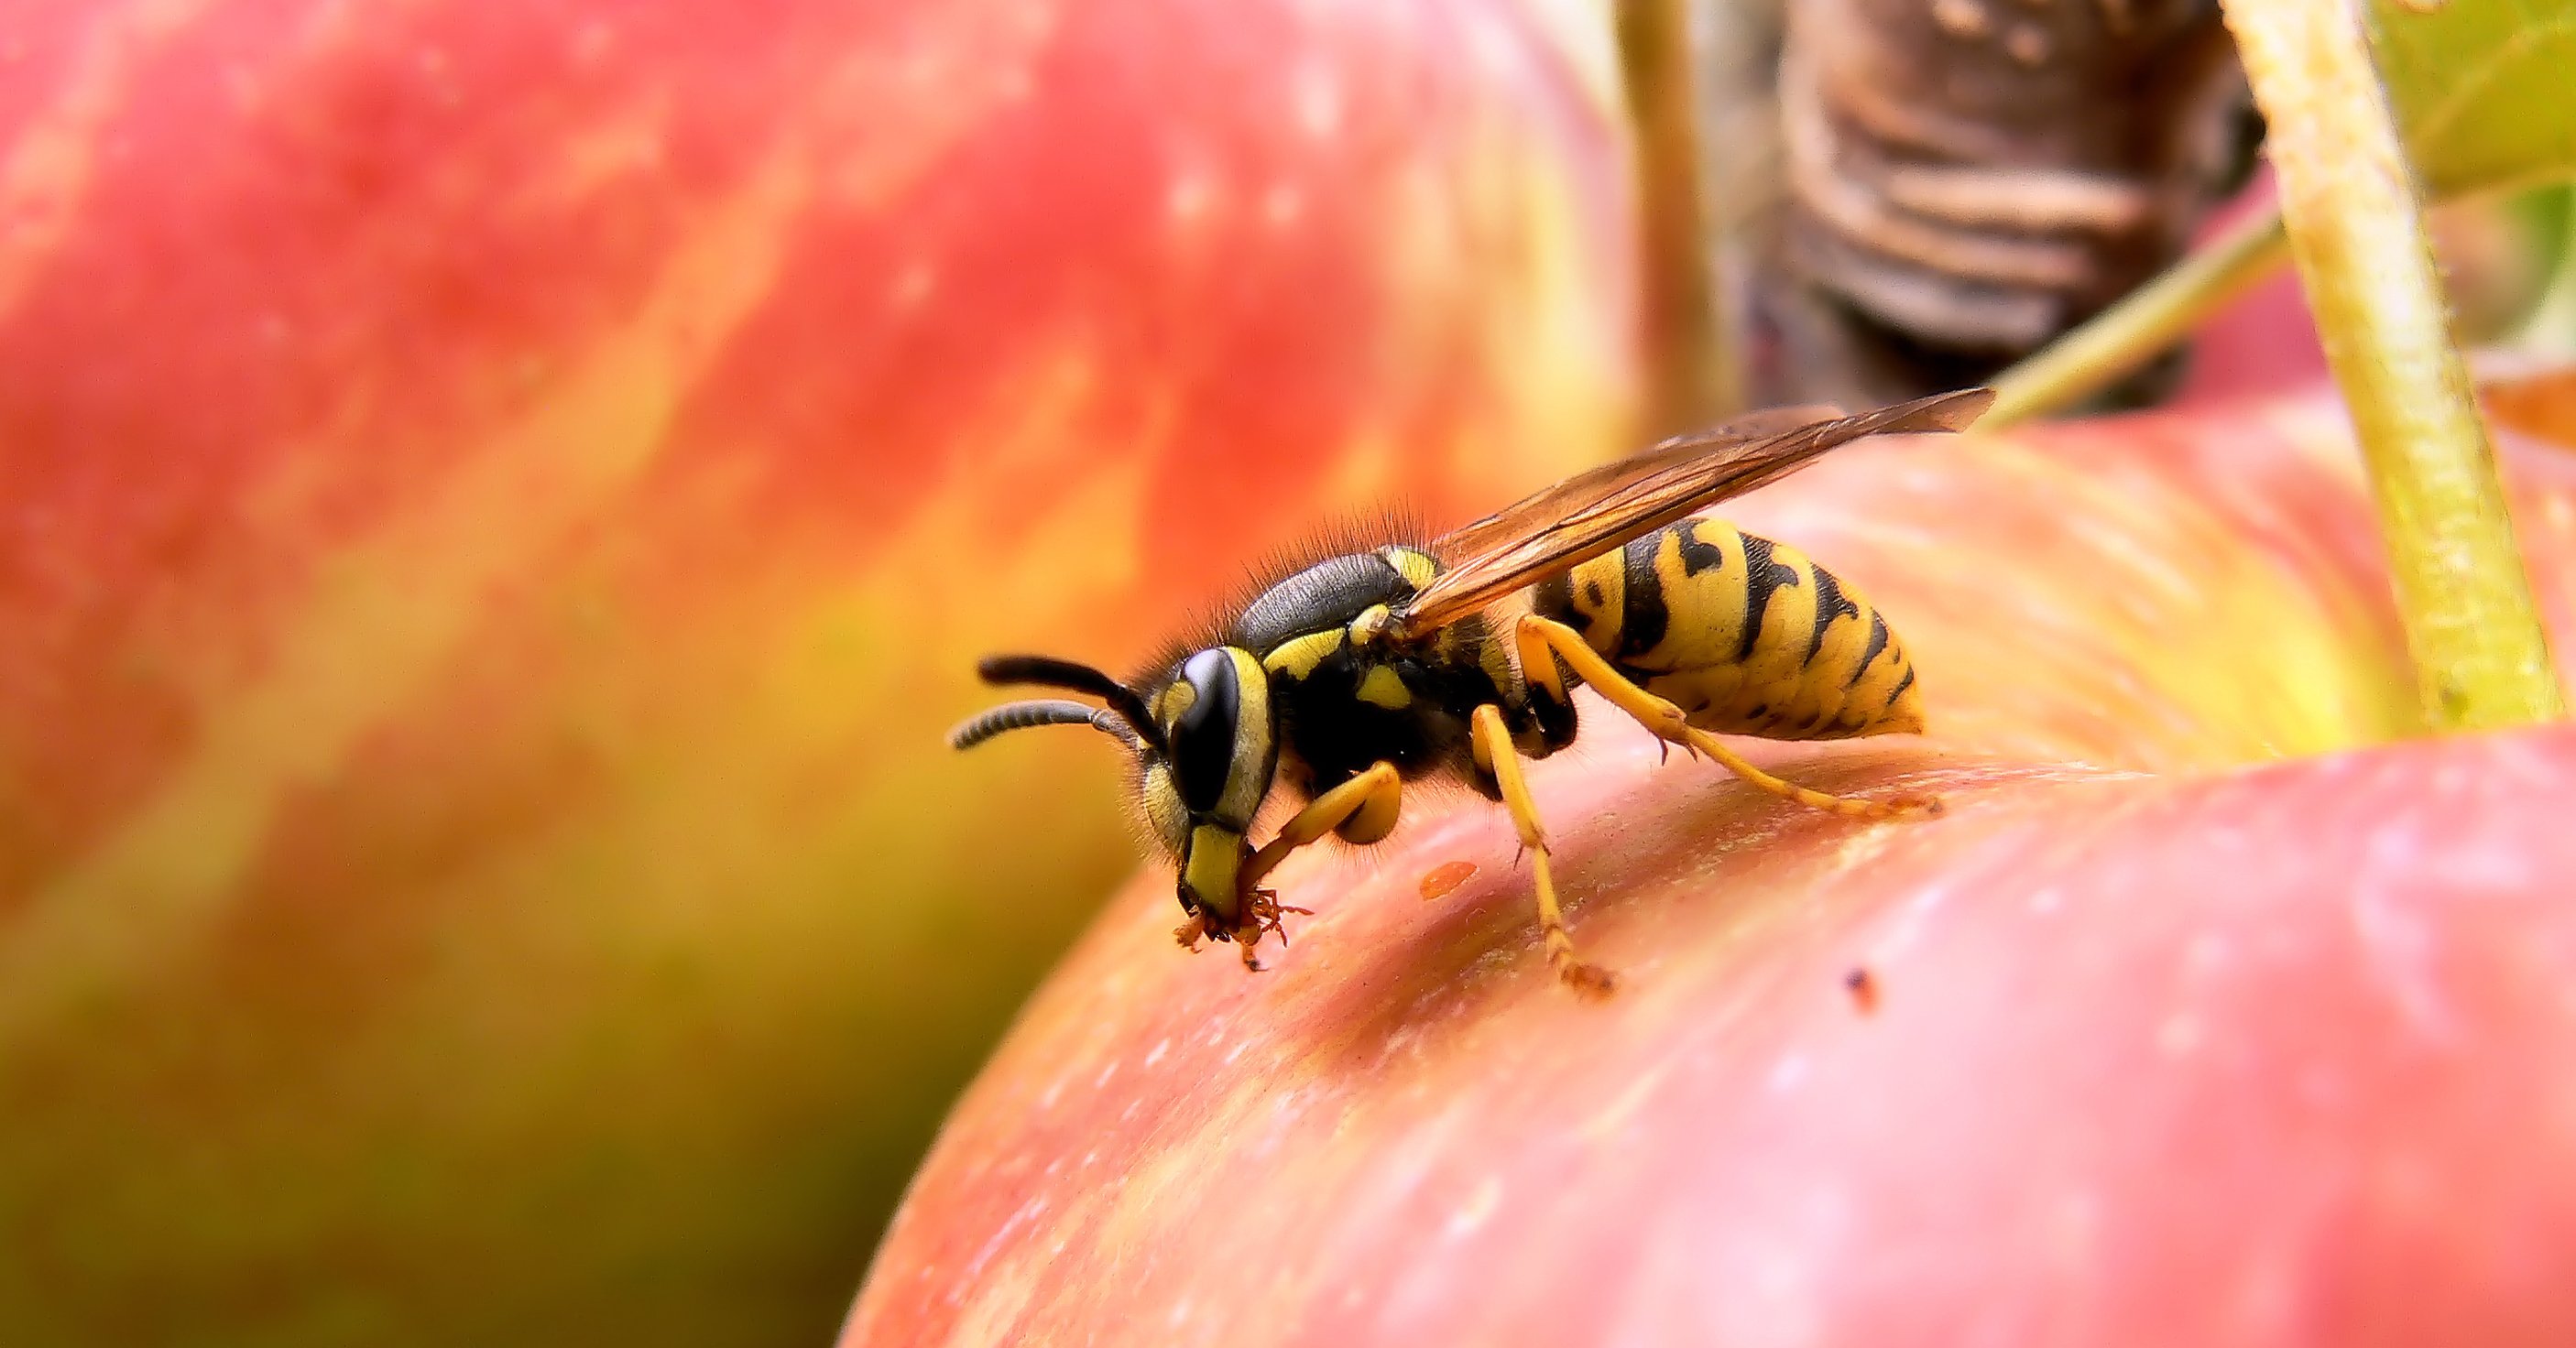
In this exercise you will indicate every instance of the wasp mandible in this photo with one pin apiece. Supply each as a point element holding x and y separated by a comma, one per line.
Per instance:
<point>1341,681</point>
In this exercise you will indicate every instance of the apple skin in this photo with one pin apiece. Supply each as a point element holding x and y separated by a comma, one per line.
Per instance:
<point>2189,1022</point>
<point>502,499</point>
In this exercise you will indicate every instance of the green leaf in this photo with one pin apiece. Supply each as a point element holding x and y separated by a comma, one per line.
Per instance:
<point>2485,90</point>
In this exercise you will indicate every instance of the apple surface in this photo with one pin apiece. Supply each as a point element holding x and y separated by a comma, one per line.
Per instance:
<point>500,502</point>
<point>2214,1009</point>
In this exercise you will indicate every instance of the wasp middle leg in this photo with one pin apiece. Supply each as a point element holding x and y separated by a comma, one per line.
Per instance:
<point>1495,757</point>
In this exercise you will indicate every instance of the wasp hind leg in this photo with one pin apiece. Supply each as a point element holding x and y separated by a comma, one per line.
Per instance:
<point>1495,757</point>
<point>1361,810</point>
<point>1536,637</point>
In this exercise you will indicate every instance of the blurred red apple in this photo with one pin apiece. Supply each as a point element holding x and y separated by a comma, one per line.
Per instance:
<point>2154,1038</point>
<point>500,500</point>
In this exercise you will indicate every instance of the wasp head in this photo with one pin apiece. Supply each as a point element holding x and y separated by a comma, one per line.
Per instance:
<point>1206,742</point>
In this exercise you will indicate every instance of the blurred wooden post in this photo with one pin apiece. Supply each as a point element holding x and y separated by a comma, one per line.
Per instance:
<point>1691,379</point>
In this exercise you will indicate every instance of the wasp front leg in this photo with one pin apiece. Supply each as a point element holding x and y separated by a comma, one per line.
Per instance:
<point>1361,810</point>
<point>1541,641</point>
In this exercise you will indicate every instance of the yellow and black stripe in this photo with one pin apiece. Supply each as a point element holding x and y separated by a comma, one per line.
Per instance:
<point>1745,635</point>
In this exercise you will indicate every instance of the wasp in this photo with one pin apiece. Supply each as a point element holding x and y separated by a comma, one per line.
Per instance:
<point>1357,673</point>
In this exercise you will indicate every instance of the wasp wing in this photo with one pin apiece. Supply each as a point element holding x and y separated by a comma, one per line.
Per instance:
<point>1587,515</point>
<point>1598,484</point>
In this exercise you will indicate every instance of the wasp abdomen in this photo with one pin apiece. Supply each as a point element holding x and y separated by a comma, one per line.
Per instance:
<point>1745,635</point>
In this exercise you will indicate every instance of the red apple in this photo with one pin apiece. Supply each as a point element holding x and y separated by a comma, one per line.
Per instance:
<point>2205,1015</point>
<point>500,499</point>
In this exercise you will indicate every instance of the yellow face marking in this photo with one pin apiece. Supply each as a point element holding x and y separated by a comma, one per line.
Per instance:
<point>1246,780</point>
<point>1215,860</point>
<point>1174,701</point>
<point>1383,687</point>
<point>1296,659</point>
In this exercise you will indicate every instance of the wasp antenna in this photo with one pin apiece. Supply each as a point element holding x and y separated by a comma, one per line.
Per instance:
<point>1044,711</point>
<point>1050,672</point>
<point>1047,670</point>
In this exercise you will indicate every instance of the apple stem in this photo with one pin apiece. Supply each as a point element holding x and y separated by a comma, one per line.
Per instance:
<point>2356,234</point>
<point>2091,356</point>
<point>1691,376</point>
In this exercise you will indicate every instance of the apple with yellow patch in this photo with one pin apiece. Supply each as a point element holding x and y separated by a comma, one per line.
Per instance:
<point>499,499</point>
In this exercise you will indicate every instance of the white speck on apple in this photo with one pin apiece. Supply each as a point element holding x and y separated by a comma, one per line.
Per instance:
<point>1188,197</point>
<point>1282,204</point>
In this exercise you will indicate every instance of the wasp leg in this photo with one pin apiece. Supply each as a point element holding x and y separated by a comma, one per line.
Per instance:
<point>1493,750</point>
<point>1362,810</point>
<point>1536,637</point>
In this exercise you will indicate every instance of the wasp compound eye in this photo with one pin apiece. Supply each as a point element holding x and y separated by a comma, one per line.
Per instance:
<point>1203,737</point>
